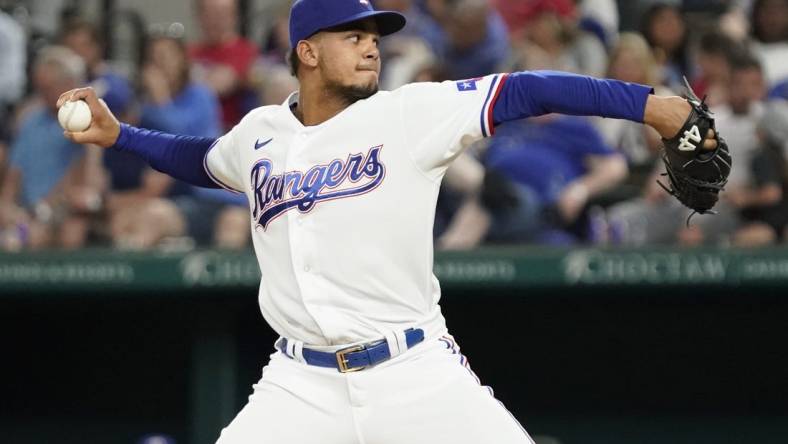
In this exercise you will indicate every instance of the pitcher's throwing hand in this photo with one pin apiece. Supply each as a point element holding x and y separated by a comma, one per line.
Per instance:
<point>104,127</point>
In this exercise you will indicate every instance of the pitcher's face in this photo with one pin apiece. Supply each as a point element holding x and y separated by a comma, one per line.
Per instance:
<point>349,59</point>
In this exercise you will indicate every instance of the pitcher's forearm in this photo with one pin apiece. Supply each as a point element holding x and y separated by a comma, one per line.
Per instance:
<point>178,156</point>
<point>534,93</point>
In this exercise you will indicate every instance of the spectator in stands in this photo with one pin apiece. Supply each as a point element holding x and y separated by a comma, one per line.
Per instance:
<point>518,13</point>
<point>12,78</point>
<point>14,56</point>
<point>462,220</point>
<point>664,28</point>
<point>541,174</point>
<point>770,35</point>
<point>420,25</point>
<point>474,40</point>
<point>631,60</point>
<point>4,139</point>
<point>13,53</point>
<point>84,38</point>
<point>735,22</point>
<point>411,49</point>
<point>600,18</point>
<point>657,218</point>
<point>224,58</point>
<point>3,148</point>
<point>765,202</point>
<point>715,51</point>
<point>175,104</point>
<point>551,39</point>
<point>740,117</point>
<point>276,42</point>
<point>36,207</point>
<point>779,91</point>
<point>743,110</point>
<point>277,85</point>
<point>274,49</point>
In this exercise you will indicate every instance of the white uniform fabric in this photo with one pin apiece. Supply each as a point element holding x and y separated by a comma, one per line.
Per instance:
<point>342,218</point>
<point>426,396</point>
<point>342,212</point>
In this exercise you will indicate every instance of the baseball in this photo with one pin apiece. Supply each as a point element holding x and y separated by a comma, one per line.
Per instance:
<point>74,116</point>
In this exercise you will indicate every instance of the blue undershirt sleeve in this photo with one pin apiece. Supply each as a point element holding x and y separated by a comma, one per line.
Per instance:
<point>179,156</point>
<point>534,93</point>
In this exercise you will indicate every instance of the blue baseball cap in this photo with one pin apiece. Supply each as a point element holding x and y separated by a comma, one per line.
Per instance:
<point>308,17</point>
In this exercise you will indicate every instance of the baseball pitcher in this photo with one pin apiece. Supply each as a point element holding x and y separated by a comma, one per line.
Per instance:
<point>342,182</point>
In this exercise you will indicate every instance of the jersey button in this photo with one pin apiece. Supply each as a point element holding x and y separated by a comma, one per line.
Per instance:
<point>306,268</point>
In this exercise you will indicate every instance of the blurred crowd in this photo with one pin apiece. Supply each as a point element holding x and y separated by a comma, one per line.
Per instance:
<point>552,180</point>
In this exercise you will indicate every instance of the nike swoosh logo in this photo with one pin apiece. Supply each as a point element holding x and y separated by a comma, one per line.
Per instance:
<point>258,145</point>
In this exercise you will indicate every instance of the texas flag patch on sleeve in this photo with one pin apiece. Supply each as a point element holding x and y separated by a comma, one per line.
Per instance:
<point>467,85</point>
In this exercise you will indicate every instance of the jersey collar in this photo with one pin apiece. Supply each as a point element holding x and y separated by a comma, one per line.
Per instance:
<point>292,100</point>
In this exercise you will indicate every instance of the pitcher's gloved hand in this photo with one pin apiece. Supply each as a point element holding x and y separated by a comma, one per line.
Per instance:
<point>696,175</point>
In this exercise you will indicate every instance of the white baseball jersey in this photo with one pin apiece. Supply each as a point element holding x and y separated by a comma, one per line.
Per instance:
<point>342,212</point>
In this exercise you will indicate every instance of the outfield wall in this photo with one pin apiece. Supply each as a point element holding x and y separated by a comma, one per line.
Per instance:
<point>590,346</point>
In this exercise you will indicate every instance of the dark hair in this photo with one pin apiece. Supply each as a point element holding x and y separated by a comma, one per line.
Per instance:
<point>681,56</point>
<point>755,29</point>
<point>744,60</point>
<point>180,44</point>
<point>76,25</point>
<point>717,43</point>
<point>293,62</point>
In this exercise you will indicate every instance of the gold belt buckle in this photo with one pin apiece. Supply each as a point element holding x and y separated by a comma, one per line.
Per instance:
<point>342,361</point>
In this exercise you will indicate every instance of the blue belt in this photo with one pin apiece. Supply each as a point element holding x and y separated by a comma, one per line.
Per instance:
<point>357,357</point>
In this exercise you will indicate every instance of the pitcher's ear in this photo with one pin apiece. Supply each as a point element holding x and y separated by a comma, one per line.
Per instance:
<point>308,53</point>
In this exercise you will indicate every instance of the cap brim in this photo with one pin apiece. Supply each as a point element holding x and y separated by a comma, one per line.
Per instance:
<point>388,22</point>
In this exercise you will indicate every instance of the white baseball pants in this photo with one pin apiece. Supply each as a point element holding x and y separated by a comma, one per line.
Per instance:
<point>428,395</point>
